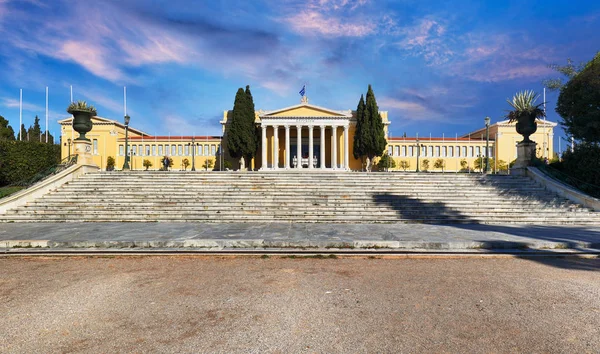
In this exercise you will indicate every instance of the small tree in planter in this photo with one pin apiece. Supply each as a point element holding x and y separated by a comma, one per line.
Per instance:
<point>386,162</point>
<point>147,164</point>
<point>110,163</point>
<point>425,165</point>
<point>186,164</point>
<point>464,165</point>
<point>207,164</point>
<point>82,117</point>
<point>439,163</point>
<point>525,112</point>
<point>404,165</point>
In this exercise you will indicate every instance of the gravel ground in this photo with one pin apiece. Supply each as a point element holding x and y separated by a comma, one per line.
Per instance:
<point>279,305</point>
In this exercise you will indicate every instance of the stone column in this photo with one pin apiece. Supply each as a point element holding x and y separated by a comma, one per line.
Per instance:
<point>83,150</point>
<point>275,147</point>
<point>525,153</point>
<point>310,146</point>
<point>322,146</point>
<point>264,147</point>
<point>299,146</point>
<point>334,159</point>
<point>346,149</point>
<point>287,147</point>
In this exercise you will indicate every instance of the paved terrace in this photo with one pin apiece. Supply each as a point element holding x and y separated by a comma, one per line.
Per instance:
<point>278,236</point>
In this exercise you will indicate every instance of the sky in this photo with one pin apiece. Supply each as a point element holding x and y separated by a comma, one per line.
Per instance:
<point>438,67</point>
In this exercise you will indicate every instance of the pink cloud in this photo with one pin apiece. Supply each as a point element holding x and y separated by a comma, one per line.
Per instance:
<point>316,23</point>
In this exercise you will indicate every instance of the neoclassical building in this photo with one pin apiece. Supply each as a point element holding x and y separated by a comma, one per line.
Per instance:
<point>303,137</point>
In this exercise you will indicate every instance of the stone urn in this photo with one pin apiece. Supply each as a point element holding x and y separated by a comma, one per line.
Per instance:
<point>526,127</point>
<point>82,122</point>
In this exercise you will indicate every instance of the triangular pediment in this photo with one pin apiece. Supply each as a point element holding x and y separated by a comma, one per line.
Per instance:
<point>305,110</point>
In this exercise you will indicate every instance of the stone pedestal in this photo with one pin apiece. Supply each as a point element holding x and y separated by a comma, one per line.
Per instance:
<point>83,149</point>
<point>525,154</point>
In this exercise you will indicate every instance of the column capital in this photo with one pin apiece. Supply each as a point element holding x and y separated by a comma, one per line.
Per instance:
<point>286,126</point>
<point>264,127</point>
<point>275,126</point>
<point>322,127</point>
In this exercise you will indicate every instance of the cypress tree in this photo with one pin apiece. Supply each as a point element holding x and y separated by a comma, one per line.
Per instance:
<point>6,131</point>
<point>35,131</point>
<point>376,142</point>
<point>358,149</point>
<point>22,133</point>
<point>235,130</point>
<point>252,130</point>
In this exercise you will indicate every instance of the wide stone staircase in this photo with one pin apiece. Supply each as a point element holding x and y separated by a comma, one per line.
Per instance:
<point>323,197</point>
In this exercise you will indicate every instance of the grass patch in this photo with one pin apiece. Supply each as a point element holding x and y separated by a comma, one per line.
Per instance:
<point>6,191</point>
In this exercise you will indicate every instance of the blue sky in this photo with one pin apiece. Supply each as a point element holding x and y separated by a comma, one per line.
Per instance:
<point>438,67</point>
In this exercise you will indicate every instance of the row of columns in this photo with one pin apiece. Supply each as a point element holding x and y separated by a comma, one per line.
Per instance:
<point>334,159</point>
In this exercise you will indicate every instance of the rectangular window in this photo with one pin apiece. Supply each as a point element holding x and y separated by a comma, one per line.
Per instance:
<point>424,150</point>
<point>179,150</point>
<point>153,150</point>
<point>471,151</point>
<point>390,150</point>
<point>213,150</point>
<point>457,149</point>
<point>187,150</point>
<point>411,151</point>
<point>431,151</point>
<point>121,150</point>
<point>133,150</point>
<point>444,151</point>
<point>160,150</point>
<point>173,150</point>
<point>478,151</point>
<point>95,141</point>
<point>397,150</point>
<point>464,151</point>
<point>199,150</point>
<point>147,150</point>
<point>437,151</point>
<point>403,150</point>
<point>205,150</point>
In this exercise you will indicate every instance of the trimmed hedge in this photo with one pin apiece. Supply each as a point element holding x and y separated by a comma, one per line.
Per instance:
<point>20,161</point>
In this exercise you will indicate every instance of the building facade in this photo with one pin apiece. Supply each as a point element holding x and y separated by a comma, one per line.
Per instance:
<point>300,137</point>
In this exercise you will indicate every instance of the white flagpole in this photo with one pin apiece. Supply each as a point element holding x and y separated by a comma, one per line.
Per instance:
<point>71,93</point>
<point>124,100</point>
<point>545,143</point>
<point>72,117</point>
<point>20,114</point>
<point>46,114</point>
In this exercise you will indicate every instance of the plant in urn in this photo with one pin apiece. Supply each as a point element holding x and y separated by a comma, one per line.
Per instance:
<point>525,112</point>
<point>82,117</point>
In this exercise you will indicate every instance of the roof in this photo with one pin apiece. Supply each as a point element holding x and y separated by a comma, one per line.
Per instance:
<point>187,138</point>
<point>105,120</point>
<point>347,114</point>
<point>505,122</point>
<point>429,140</point>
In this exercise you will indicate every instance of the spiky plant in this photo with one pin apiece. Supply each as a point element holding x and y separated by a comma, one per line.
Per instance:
<point>524,107</point>
<point>81,106</point>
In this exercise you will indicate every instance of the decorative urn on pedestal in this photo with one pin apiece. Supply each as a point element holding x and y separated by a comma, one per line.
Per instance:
<point>524,113</point>
<point>82,123</point>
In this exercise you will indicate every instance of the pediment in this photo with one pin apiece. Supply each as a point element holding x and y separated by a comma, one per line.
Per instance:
<point>305,110</point>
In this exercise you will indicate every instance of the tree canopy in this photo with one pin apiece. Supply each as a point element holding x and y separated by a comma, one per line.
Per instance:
<point>579,103</point>
<point>6,131</point>
<point>369,138</point>
<point>35,131</point>
<point>241,132</point>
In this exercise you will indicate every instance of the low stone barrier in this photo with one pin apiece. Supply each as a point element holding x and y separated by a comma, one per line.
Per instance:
<point>563,190</point>
<point>44,187</point>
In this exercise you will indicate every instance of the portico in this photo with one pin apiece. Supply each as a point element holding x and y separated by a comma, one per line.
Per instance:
<point>305,137</point>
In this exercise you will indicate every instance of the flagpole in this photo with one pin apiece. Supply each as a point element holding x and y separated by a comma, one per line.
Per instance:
<point>46,114</point>
<point>545,143</point>
<point>20,114</point>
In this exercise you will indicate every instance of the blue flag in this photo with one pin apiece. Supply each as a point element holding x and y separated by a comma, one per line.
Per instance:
<point>303,91</point>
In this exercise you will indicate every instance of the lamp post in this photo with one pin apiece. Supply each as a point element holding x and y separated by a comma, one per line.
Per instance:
<point>193,145</point>
<point>126,164</point>
<point>69,147</point>
<point>418,153</point>
<point>487,144</point>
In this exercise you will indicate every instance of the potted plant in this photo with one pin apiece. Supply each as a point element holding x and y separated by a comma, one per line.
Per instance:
<point>525,112</point>
<point>82,117</point>
<point>110,163</point>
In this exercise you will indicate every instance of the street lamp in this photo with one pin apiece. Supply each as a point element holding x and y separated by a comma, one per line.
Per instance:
<point>487,144</point>
<point>69,145</point>
<point>193,145</point>
<point>418,153</point>
<point>126,164</point>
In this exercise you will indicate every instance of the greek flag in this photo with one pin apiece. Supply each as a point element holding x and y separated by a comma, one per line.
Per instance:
<point>303,91</point>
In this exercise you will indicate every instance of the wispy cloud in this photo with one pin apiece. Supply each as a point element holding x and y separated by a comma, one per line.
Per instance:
<point>316,23</point>
<point>426,39</point>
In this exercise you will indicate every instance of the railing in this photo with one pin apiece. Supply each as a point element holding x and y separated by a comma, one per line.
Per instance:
<point>587,188</point>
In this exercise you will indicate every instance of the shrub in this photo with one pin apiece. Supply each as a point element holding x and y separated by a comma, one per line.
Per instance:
<point>425,165</point>
<point>20,161</point>
<point>439,163</point>
<point>464,165</point>
<point>110,163</point>
<point>186,163</point>
<point>385,163</point>
<point>147,164</point>
<point>207,164</point>
<point>404,165</point>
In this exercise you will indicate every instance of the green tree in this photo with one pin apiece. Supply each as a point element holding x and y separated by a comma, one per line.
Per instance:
<point>361,131</point>
<point>22,133</point>
<point>579,103</point>
<point>186,164</point>
<point>376,142</point>
<point>404,165</point>
<point>207,164</point>
<point>570,71</point>
<point>464,165</point>
<point>35,131</point>
<point>241,134</point>
<point>386,162</point>
<point>110,163</point>
<point>425,165</point>
<point>146,163</point>
<point>440,163</point>
<point>6,131</point>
